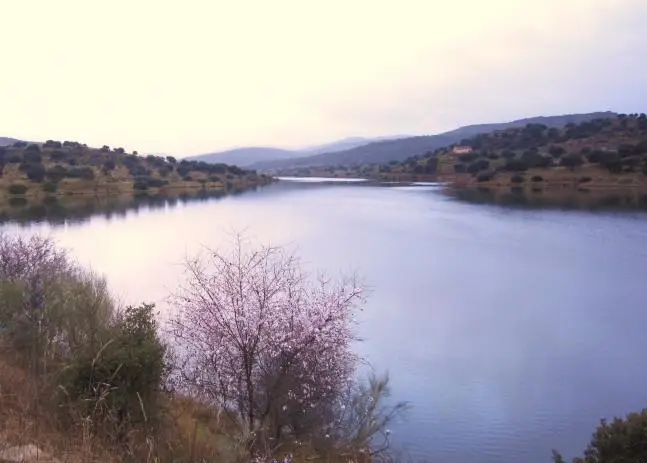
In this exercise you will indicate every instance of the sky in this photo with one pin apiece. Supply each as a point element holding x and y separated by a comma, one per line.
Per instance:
<point>189,77</point>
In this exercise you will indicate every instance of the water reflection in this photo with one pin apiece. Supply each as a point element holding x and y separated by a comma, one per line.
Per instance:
<point>78,209</point>
<point>582,198</point>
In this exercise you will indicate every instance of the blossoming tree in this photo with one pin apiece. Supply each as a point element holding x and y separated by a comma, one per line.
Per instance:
<point>262,341</point>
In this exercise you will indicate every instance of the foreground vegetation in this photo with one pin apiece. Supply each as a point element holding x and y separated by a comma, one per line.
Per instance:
<point>58,168</point>
<point>256,364</point>
<point>608,153</point>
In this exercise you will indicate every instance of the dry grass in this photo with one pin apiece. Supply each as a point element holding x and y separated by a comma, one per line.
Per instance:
<point>188,431</point>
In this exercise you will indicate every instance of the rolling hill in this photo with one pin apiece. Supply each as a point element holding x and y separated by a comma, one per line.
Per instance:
<point>600,154</point>
<point>402,148</point>
<point>245,157</point>
<point>68,168</point>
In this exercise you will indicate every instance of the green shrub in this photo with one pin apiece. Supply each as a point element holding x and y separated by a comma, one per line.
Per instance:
<point>122,377</point>
<point>32,148</point>
<point>624,440</point>
<point>478,166</point>
<point>468,157</point>
<point>484,177</point>
<point>537,178</point>
<point>34,172</point>
<point>432,165</point>
<point>32,157</point>
<point>141,184</point>
<point>56,173</point>
<point>556,151</point>
<point>60,320</point>
<point>50,187</point>
<point>85,173</point>
<point>572,160</point>
<point>515,165</point>
<point>17,189</point>
<point>517,178</point>
<point>53,144</point>
<point>58,155</point>
<point>109,165</point>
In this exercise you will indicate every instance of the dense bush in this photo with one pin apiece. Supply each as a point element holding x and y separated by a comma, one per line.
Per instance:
<point>56,173</point>
<point>85,173</point>
<point>53,144</point>
<point>468,157</point>
<point>17,189</point>
<point>33,148</point>
<point>515,165</point>
<point>624,440</point>
<point>123,375</point>
<point>32,157</point>
<point>36,173</point>
<point>460,168</point>
<point>625,150</point>
<point>595,156</point>
<point>537,178</point>
<point>517,178</point>
<point>14,158</point>
<point>432,165</point>
<point>58,155</point>
<point>60,320</point>
<point>532,158</point>
<point>556,151</point>
<point>478,165</point>
<point>50,187</point>
<point>572,160</point>
<point>109,165</point>
<point>484,177</point>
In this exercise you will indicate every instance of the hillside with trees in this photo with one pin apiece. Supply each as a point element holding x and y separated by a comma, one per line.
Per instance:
<point>600,153</point>
<point>70,168</point>
<point>385,151</point>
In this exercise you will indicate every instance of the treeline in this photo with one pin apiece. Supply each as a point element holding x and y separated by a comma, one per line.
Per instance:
<point>618,145</point>
<point>53,161</point>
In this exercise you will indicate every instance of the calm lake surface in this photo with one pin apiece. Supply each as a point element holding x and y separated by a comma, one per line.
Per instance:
<point>510,331</point>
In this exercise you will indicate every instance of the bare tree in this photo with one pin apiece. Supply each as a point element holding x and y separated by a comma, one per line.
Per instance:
<point>261,340</point>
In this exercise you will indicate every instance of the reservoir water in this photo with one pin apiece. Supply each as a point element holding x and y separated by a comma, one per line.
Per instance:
<point>510,331</point>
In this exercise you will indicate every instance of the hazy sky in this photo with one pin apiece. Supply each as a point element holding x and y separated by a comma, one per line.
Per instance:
<point>186,77</point>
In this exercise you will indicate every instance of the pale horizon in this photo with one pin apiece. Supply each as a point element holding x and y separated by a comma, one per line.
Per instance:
<point>207,76</point>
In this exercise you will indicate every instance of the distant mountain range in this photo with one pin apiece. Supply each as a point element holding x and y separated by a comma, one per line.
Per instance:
<point>400,149</point>
<point>246,156</point>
